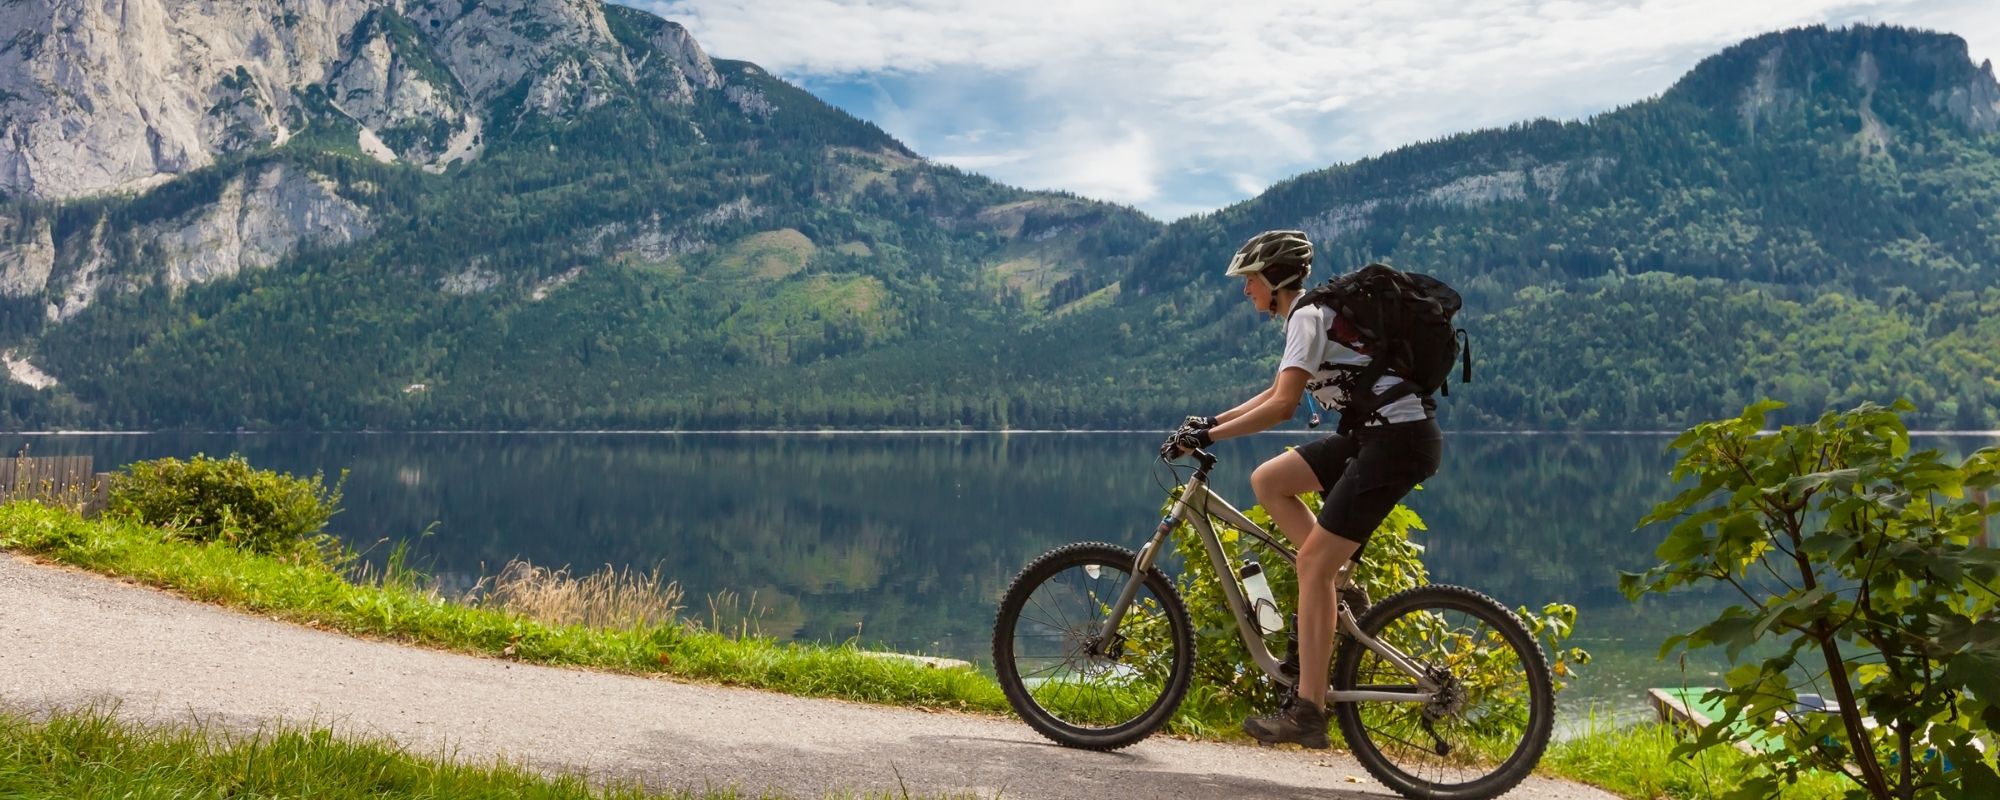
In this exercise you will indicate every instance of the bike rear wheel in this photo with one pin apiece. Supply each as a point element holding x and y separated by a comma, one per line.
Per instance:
<point>1489,724</point>
<point>1071,687</point>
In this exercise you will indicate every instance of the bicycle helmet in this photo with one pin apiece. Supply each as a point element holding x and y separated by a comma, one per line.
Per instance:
<point>1281,258</point>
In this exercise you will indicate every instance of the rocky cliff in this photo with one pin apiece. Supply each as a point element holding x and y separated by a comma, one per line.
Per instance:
<point>257,219</point>
<point>102,97</point>
<point>122,97</point>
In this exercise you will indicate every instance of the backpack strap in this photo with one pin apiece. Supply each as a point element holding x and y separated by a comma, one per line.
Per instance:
<point>1369,410</point>
<point>1364,405</point>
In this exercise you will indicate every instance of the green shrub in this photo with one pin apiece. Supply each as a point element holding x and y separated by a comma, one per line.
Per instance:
<point>226,500</point>
<point>1862,580</point>
<point>1224,674</point>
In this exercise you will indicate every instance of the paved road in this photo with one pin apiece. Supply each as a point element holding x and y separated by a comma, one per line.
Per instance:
<point>69,638</point>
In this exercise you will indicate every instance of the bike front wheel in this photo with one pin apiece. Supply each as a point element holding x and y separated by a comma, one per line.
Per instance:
<point>1068,683</point>
<point>1488,722</point>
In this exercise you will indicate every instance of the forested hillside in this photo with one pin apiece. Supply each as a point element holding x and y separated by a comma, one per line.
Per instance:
<point>1812,214</point>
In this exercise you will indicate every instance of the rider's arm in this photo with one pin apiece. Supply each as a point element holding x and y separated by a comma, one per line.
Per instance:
<point>1280,402</point>
<point>1246,407</point>
<point>1304,339</point>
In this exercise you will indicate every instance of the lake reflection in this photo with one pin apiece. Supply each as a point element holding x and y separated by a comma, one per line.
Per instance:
<point>907,540</point>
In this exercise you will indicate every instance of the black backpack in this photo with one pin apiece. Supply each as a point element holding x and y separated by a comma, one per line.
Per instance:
<point>1403,322</point>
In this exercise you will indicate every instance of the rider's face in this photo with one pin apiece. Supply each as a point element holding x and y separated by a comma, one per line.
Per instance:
<point>1258,292</point>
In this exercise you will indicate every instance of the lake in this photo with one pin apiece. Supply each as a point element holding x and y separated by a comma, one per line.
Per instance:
<point>906,540</point>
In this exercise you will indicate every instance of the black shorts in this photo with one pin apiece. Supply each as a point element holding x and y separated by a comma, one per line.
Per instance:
<point>1364,474</point>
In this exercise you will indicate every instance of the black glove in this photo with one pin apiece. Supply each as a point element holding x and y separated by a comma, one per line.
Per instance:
<point>1197,423</point>
<point>1184,441</point>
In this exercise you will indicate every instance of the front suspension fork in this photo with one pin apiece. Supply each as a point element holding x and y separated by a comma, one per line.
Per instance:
<point>1106,634</point>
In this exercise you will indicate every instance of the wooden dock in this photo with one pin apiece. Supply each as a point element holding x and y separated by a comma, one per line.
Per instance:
<point>1685,709</point>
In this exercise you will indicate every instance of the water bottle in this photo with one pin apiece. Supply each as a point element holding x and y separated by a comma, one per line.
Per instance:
<point>1259,591</point>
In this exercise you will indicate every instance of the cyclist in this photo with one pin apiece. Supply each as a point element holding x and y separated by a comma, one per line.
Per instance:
<point>1361,474</point>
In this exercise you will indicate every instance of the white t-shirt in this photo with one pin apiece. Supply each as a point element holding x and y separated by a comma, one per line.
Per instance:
<point>1334,368</point>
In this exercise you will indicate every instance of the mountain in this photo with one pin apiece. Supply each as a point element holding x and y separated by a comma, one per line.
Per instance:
<point>1823,149</point>
<point>514,212</point>
<point>558,213</point>
<point>1812,214</point>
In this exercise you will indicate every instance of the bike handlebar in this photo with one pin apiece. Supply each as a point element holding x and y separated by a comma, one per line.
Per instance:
<point>1206,458</point>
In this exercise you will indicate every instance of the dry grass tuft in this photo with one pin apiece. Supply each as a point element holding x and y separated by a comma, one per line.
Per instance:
<point>609,599</point>
<point>733,615</point>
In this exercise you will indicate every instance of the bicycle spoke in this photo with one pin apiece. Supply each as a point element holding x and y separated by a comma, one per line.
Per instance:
<point>1039,604</point>
<point>1064,631</point>
<point>1066,624</point>
<point>1402,741</point>
<point>1042,670</point>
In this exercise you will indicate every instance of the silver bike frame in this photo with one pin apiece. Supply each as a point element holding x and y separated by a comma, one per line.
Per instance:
<point>1197,504</point>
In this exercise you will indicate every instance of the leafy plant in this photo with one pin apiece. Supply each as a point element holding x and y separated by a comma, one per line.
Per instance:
<point>1391,563</point>
<point>1856,564</point>
<point>226,500</point>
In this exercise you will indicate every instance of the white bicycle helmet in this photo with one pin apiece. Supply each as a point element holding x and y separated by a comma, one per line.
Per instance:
<point>1281,258</point>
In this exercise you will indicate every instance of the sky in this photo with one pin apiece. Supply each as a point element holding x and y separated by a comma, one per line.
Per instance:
<point>1180,107</point>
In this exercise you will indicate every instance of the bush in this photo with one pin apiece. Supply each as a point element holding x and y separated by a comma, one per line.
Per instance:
<point>1224,673</point>
<point>226,500</point>
<point>1861,580</point>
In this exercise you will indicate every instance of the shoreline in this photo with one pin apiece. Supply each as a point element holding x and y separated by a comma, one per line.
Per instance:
<point>866,432</point>
<point>399,620</point>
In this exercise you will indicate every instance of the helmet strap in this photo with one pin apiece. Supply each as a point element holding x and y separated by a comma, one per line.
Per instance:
<point>1272,308</point>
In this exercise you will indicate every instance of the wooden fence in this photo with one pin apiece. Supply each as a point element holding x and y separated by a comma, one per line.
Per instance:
<point>63,480</point>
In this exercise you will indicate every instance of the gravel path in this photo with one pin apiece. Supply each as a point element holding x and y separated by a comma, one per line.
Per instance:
<point>69,638</point>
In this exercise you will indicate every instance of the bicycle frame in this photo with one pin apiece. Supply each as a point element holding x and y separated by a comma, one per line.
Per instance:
<point>1198,504</point>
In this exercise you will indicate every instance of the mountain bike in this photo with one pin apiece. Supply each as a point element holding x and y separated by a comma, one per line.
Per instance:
<point>1440,692</point>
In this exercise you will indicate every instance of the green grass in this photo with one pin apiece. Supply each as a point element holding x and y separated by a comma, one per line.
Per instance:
<point>1636,761</point>
<point>400,610</point>
<point>799,309</point>
<point>91,753</point>
<point>769,255</point>
<point>1632,761</point>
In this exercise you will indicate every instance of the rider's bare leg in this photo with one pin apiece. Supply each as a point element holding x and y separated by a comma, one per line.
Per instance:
<point>1320,563</point>
<point>1278,484</point>
<point>1322,554</point>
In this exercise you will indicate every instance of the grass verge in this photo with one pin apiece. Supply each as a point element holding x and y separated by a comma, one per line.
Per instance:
<point>1636,761</point>
<point>90,753</point>
<point>1633,762</point>
<point>399,609</point>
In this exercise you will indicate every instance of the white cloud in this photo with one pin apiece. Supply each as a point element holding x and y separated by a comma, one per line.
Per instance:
<point>1170,104</point>
<point>982,162</point>
<point>1248,184</point>
<point>1123,167</point>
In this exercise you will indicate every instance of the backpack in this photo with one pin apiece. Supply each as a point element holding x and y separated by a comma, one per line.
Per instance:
<point>1403,322</point>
